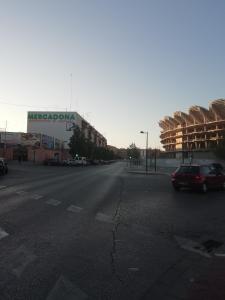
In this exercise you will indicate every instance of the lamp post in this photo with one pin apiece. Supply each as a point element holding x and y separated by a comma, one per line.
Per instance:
<point>146,151</point>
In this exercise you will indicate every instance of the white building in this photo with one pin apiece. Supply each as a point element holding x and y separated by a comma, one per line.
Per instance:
<point>60,125</point>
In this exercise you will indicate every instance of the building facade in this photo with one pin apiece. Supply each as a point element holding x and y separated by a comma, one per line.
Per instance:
<point>61,125</point>
<point>34,147</point>
<point>200,129</point>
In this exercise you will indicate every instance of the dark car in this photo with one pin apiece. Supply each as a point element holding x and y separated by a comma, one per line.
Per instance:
<point>3,166</point>
<point>217,166</point>
<point>52,162</point>
<point>200,177</point>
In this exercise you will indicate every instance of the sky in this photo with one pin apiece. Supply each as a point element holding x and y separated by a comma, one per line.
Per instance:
<point>132,61</point>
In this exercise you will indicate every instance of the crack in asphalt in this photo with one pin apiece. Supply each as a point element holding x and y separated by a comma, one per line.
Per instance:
<point>117,223</point>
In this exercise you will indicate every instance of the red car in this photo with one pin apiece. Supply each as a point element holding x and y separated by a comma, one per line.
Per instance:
<point>201,177</point>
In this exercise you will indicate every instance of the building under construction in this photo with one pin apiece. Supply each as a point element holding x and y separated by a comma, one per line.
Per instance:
<point>200,129</point>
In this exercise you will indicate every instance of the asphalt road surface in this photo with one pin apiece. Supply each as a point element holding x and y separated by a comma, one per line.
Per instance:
<point>99,232</point>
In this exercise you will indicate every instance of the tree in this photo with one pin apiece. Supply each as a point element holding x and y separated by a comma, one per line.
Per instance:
<point>133,151</point>
<point>219,151</point>
<point>81,146</point>
<point>78,144</point>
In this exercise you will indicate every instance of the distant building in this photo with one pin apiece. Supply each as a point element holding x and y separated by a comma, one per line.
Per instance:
<point>61,124</point>
<point>200,129</point>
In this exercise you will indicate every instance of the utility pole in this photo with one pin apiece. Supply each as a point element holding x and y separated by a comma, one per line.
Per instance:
<point>155,159</point>
<point>5,139</point>
<point>71,89</point>
<point>146,151</point>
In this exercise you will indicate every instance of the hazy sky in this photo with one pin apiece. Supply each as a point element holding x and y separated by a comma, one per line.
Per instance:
<point>133,62</point>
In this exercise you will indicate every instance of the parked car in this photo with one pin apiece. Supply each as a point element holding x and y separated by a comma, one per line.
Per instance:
<point>52,162</point>
<point>3,166</point>
<point>78,161</point>
<point>94,162</point>
<point>200,177</point>
<point>81,161</point>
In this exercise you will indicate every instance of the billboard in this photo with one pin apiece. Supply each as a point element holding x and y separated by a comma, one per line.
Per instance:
<point>31,139</point>
<point>51,116</point>
<point>47,141</point>
<point>10,138</point>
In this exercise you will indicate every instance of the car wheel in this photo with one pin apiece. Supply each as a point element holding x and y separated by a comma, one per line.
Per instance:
<point>223,186</point>
<point>204,188</point>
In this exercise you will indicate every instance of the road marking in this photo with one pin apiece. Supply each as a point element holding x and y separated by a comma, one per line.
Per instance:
<point>220,254</point>
<point>2,187</point>
<point>66,290</point>
<point>21,193</point>
<point>74,208</point>
<point>133,269</point>
<point>104,218</point>
<point>20,260</point>
<point>53,202</point>
<point>36,197</point>
<point>3,233</point>
<point>192,246</point>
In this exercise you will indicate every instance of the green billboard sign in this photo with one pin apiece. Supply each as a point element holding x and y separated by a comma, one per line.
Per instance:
<point>51,116</point>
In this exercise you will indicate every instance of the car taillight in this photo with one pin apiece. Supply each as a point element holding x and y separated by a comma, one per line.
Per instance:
<point>173,175</point>
<point>198,177</point>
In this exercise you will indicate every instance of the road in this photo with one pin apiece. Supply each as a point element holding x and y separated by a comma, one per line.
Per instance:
<point>99,232</point>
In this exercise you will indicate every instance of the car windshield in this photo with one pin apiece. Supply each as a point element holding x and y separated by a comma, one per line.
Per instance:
<point>188,170</point>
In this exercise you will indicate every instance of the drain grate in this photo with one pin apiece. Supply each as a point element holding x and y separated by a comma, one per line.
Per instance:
<point>211,245</point>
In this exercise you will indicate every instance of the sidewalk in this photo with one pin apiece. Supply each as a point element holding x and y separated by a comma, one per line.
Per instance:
<point>151,171</point>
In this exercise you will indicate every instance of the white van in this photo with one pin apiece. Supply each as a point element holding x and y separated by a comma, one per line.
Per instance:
<point>81,161</point>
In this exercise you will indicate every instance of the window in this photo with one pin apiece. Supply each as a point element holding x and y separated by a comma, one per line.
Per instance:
<point>205,170</point>
<point>188,170</point>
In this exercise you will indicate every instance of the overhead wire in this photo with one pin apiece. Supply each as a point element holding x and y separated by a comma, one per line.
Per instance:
<point>31,106</point>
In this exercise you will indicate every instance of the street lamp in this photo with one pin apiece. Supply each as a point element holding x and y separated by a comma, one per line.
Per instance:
<point>146,151</point>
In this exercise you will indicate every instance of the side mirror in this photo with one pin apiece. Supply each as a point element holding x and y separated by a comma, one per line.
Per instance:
<point>213,172</point>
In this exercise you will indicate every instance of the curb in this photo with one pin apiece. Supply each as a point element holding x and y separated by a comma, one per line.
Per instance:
<point>148,173</point>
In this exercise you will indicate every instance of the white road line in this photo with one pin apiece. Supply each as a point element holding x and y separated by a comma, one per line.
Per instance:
<point>75,209</point>
<point>66,290</point>
<point>21,258</point>
<point>53,202</point>
<point>104,218</point>
<point>2,187</point>
<point>21,193</point>
<point>36,197</point>
<point>192,246</point>
<point>133,269</point>
<point>220,254</point>
<point>3,233</point>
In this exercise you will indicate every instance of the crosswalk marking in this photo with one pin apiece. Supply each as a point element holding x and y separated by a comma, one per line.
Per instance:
<point>133,269</point>
<point>66,290</point>
<point>36,197</point>
<point>103,218</point>
<point>74,208</point>
<point>192,246</point>
<point>53,202</point>
<point>21,193</point>
<point>3,233</point>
